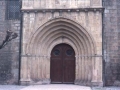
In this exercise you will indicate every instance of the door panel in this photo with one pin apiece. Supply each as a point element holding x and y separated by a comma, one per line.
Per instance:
<point>69,64</point>
<point>56,65</point>
<point>69,73</point>
<point>62,64</point>
<point>56,71</point>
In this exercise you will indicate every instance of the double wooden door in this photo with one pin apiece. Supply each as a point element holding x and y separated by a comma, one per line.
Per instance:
<point>62,64</point>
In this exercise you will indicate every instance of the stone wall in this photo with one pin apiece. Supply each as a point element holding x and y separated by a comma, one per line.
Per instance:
<point>9,55</point>
<point>42,30</point>
<point>111,41</point>
<point>54,4</point>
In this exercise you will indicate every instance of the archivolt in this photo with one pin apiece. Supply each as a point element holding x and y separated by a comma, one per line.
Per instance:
<point>61,30</point>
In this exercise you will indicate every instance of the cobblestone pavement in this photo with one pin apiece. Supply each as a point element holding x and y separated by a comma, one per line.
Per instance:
<point>54,87</point>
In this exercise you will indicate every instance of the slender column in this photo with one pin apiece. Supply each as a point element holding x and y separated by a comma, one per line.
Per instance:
<point>38,67</point>
<point>85,70</point>
<point>80,68</point>
<point>94,76</point>
<point>77,69</point>
<point>48,67</point>
<point>89,68</point>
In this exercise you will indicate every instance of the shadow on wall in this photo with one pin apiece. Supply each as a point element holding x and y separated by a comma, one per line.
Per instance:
<point>6,58</point>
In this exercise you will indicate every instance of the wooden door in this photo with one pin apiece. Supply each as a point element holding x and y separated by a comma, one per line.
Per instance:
<point>62,64</point>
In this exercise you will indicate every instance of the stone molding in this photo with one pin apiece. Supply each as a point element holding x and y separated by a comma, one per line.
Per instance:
<point>100,9</point>
<point>49,56</point>
<point>37,50</point>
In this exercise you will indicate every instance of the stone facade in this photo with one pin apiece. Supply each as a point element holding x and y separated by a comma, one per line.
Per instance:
<point>111,41</point>
<point>9,55</point>
<point>60,4</point>
<point>56,23</point>
<point>83,16</point>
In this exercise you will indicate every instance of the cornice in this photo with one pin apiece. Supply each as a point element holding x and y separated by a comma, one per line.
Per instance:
<point>100,9</point>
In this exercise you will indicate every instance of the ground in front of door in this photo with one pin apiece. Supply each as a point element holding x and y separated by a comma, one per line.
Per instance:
<point>54,87</point>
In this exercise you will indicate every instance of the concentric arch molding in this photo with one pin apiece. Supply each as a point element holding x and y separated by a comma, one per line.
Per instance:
<point>36,68</point>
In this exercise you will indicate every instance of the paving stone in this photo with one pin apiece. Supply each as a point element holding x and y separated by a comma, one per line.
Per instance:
<point>45,87</point>
<point>55,87</point>
<point>106,88</point>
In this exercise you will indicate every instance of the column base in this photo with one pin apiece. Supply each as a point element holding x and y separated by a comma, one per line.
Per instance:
<point>100,84</point>
<point>88,83</point>
<point>82,83</point>
<point>31,82</point>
